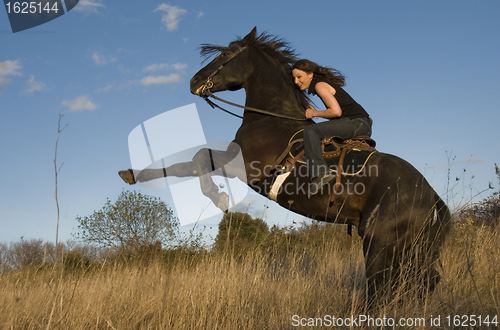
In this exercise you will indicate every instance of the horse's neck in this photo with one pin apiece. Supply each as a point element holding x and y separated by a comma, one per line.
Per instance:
<point>268,91</point>
<point>267,88</point>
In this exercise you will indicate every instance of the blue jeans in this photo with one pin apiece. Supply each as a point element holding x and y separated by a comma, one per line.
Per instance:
<point>344,128</point>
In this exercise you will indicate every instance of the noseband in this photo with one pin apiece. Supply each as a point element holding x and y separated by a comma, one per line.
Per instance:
<point>208,84</point>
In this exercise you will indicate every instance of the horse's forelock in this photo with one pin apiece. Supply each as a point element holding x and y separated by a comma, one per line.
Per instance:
<point>207,51</point>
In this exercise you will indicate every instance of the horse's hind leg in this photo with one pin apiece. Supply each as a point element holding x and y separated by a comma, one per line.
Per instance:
<point>404,264</point>
<point>381,268</point>
<point>215,162</point>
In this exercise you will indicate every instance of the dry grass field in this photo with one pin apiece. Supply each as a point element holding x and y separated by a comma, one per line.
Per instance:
<point>300,289</point>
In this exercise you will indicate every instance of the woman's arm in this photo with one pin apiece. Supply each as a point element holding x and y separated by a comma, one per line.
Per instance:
<point>327,94</point>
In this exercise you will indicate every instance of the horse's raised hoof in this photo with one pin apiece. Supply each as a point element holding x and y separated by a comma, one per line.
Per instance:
<point>223,203</point>
<point>127,176</point>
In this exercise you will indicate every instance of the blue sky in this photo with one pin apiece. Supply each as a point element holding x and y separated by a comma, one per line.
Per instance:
<point>426,71</point>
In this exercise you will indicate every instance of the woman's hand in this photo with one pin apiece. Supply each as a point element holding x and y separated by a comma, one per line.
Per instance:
<point>310,112</point>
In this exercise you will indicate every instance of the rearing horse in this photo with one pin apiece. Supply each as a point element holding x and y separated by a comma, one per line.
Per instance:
<point>397,212</point>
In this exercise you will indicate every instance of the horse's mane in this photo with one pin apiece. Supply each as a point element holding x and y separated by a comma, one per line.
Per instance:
<point>276,48</point>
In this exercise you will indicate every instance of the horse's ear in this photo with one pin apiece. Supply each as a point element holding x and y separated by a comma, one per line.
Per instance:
<point>251,36</point>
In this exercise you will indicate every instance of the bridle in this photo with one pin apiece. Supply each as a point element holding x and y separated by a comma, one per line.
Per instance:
<point>205,92</point>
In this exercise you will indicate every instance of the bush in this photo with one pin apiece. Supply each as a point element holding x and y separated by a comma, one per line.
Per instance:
<point>240,233</point>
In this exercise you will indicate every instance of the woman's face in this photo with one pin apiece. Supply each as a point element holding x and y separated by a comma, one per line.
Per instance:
<point>302,78</point>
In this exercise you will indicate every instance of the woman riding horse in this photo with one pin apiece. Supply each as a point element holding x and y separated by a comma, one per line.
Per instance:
<point>398,215</point>
<point>347,118</point>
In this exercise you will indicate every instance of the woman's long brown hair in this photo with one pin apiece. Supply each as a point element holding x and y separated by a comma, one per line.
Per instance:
<point>321,72</point>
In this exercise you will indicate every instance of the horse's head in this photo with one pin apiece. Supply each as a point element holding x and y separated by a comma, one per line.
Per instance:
<point>228,71</point>
<point>260,64</point>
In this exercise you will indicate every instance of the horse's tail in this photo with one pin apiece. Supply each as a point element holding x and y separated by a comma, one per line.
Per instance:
<point>443,214</point>
<point>439,229</point>
<point>441,224</point>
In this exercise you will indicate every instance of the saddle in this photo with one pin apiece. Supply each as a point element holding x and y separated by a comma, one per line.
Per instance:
<point>349,155</point>
<point>343,157</point>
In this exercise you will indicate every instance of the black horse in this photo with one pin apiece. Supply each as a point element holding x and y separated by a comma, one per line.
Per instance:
<point>398,215</point>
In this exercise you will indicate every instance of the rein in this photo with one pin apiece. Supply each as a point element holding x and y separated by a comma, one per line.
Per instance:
<point>206,93</point>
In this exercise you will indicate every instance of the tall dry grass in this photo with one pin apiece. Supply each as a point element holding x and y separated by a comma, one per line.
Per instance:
<point>260,290</point>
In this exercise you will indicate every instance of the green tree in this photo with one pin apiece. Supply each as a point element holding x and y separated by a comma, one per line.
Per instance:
<point>240,233</point>
<point>133,222</point>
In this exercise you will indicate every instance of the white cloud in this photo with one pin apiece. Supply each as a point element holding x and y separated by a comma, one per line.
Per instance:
<point>165,66</point>
<point>179,66</point>
<point>105,89</point>
<point>34,86</point>
<point>8,68</point>
<point>101,60</point>
<point>124,70</point>
<point>156,67</point>
<point>471,160</point>
<point>81,103</point>
<point>89,6</point>
<point>172,15</point>
<point>200,13</point>
<point>98,59</point>
<point>150,80</point>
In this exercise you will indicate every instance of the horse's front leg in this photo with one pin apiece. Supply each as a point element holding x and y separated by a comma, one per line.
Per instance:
<point>178,170</point>
<point>204,164</point>
<point>198,167</point>
<point>211,190</point>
